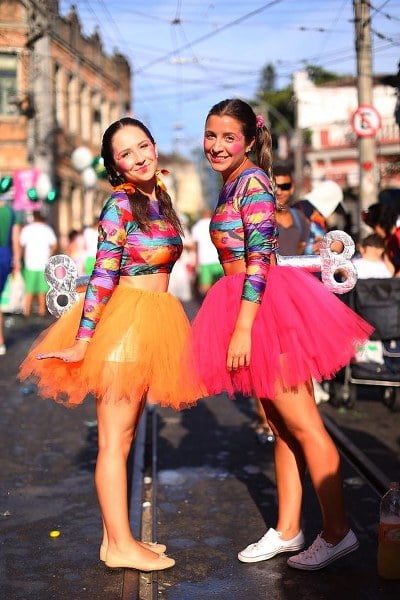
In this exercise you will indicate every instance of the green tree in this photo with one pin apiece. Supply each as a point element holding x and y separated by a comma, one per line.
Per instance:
<point>319,75</point>
<point>268,78</point>
<point>279,103</point>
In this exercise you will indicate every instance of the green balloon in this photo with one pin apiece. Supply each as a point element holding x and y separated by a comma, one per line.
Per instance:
<point>98,166</point>
<point>52,196</point>
<point>32,194</point>
<point>5,184</point>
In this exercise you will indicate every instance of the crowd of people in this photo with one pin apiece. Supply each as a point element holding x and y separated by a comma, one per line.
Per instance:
<point>263,330</point>
<point>300,224</point>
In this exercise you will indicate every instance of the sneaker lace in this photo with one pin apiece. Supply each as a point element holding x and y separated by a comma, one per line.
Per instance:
<point>317,545</point>
<point>261,540</point>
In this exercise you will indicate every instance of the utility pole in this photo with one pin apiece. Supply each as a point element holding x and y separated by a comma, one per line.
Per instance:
<point>368,190</point>
<point>297,145</point>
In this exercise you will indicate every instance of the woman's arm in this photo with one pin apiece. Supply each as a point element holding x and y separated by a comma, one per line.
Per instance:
<point>16,247</point>
<point>239,349</point>
<point>74,353</point>
<point>257,208</point>
<point>106,270</point>
<point>104,278</point>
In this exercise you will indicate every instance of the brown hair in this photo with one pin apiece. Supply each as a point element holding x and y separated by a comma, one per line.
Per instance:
<point>243,112</point>
<point>139,202</point>
<point>374,240</point>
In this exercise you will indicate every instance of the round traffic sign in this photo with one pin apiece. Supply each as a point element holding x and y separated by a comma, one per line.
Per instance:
<point>366,121</point>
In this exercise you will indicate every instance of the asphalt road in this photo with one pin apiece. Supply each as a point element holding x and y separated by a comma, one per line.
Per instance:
<point>215,495</point>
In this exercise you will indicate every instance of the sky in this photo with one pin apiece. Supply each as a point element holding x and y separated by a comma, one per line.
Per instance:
<point>186,55</point>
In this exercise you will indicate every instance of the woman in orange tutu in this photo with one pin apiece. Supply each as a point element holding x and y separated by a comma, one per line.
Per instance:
<point>126,339</point>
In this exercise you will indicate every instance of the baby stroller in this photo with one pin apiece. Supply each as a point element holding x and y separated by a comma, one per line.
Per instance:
<point>376,363</point>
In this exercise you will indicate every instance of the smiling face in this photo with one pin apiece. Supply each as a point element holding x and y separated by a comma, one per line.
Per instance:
<point>135,156</point>
<point>224,144</point>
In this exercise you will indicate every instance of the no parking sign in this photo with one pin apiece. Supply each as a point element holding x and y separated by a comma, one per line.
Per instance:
<point>366,121</point>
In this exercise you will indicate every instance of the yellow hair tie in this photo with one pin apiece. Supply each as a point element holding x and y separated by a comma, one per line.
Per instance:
<point>159,181</point>
<point>129,188</point>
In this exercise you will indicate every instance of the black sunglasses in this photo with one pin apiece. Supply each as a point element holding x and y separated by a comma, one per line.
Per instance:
<point>284,186</point>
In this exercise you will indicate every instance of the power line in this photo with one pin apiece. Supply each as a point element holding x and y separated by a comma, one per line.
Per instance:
<point>209,35</point>
<point>385,14</point>
<point>381,36</point>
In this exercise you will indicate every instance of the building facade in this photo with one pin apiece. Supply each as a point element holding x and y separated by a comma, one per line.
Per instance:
<point>326,112</point>
<point>58,92</point>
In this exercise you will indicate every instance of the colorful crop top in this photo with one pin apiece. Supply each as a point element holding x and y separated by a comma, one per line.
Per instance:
<point>244,227</point>
<point>124,249</point>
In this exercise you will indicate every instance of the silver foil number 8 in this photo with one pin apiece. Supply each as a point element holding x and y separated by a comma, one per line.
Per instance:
<point>61,275</point>
<point>337,271</point>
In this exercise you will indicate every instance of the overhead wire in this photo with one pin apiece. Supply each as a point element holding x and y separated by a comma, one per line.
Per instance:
<point>385,14</point>
<point>199,63</point>
<point>210,34</point>
<point>191,88</point>
<point>121,39</point>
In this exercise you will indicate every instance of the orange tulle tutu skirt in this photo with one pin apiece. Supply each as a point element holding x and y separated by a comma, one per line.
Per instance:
<point>139,348</point>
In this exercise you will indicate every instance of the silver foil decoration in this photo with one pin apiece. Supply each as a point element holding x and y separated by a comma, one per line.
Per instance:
<point>61,275</point>
<point>330,262</point>
<point>61,272</point>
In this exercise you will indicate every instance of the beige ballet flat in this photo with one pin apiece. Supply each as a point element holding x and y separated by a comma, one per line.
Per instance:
<point>153,546</point>
<point>159,563</point>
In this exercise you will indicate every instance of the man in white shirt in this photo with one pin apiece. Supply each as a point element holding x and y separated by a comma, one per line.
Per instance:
<point>209,269</point>
<point>38,242</point>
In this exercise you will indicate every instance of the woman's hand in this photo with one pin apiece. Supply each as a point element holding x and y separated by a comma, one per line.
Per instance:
<point>75,353</point>
<point>239,349</point>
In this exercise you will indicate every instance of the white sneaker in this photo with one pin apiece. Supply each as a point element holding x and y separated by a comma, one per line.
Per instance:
<point>3,349</point>
<point>270,545</point>
<point>320,553</point>
<point>320,394</point>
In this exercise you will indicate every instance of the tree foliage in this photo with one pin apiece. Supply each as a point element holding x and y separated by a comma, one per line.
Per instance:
<point>268,78</point>
<point>277,104</point>
<point>319,75</point>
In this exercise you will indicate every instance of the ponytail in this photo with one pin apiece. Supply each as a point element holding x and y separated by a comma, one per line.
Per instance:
<point>263,149</point>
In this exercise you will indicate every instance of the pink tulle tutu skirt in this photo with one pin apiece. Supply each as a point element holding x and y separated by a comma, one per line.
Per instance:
<point>301,330</point>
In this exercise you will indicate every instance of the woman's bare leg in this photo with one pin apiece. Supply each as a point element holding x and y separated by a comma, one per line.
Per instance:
<point>289,472</point>
<point>42,304</point>
<point>117,424</point>
<point>298,411</point>
<point>28,304</point>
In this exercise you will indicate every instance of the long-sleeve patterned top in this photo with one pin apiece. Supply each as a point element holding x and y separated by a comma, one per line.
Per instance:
<point>243,227</point>
<point>124,249</point>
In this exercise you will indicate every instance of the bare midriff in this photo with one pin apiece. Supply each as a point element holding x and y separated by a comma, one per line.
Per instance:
<point>154,282</point>
<point>234,266</point>
<point>239,266</point>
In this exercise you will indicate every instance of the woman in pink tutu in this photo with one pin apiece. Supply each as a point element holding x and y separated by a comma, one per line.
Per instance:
<point>266,330</point>
<point>126,340</point>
